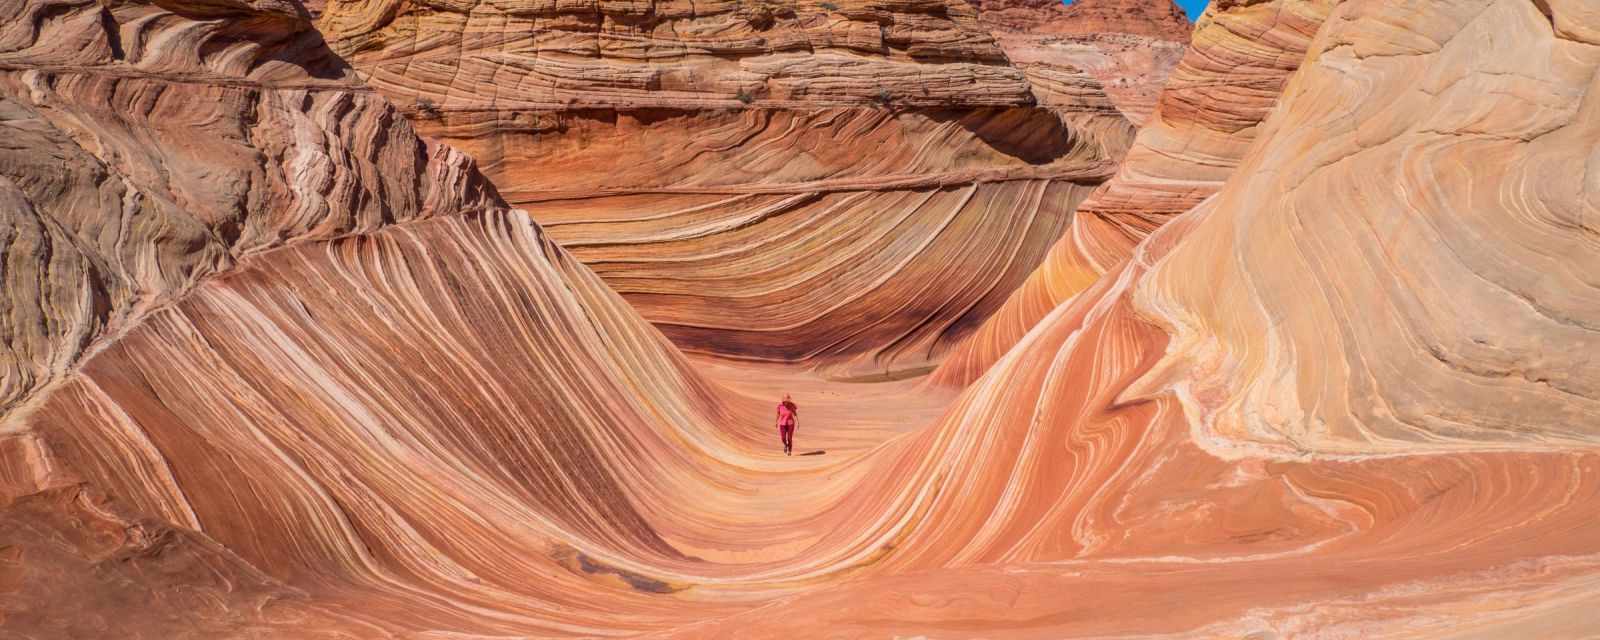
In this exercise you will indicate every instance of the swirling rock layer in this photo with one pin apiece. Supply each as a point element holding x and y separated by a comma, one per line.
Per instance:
<point>1209,114</point>
<point>1314,405</point>
<point>1127,48</point>
<point>818,275</point>
<point>1158,19</point>
<point>1054,483</point>
<point>1129,69</point>
<point>528,55</point>
<point>718,163</point>
<point>1454,302</point>
<point>143,151</point>
<point>341,469</point>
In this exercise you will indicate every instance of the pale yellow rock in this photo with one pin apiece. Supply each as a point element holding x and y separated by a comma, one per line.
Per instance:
<point>1421,257</point>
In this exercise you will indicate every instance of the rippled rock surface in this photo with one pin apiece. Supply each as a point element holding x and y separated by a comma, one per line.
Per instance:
<point>1128,48</point>
<point>1209,115</point>
<point>848,186</point>
<point>277,366</point>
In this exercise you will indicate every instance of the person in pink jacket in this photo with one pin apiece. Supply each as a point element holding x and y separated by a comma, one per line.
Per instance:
<point>787,413</point>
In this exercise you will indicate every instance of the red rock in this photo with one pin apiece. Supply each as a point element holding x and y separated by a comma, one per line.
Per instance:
<point>1209,115</point>
<point>1127,47</point>
<point>1157,19</point>
<point>277,367</point>
<point>729,167</point>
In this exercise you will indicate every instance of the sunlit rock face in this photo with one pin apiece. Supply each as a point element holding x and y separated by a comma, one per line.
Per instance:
<point>1061,480</point>
<point>1178,445</point>
<point>1420,267</point>
<point>674,54</point>
<point>1346,395</point>
<point>726,166</point>
<point>426,423</point>
<point>144,151</point>
<point>1159,19</point>
<point>1209,114</point>
<point>1127,47</point>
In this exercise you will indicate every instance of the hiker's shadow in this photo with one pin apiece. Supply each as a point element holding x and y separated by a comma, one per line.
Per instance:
<point>818,452</point>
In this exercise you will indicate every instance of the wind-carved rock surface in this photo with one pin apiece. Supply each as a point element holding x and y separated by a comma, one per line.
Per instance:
<point>1127,47</point>
<point>617,54</point>
<point>1420,270</point>
<point>143,152</point>
<point>728,166</point>
<point>1158,19</point>
<point>1209,114</point>
<point>1348,394</point>
<point>1312,377</point>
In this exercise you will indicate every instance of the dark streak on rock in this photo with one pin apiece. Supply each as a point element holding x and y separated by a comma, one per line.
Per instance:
<point>638,582</point>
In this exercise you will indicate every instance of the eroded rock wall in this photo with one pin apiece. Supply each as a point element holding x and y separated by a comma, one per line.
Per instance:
<point>1419,270</point>
<point>1209,115</point>
<point>632,122</point>
<point>1127,47</point>
<point>1318,402</point>
<point>145,151</point>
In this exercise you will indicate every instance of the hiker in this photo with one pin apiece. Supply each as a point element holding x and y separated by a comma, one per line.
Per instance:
<point>787,413</point>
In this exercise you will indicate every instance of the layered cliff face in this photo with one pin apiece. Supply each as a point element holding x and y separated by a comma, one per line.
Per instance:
<point>726,165</point>
<point>1129,47</point>
<point>219,250</point>
<point>1420,270</point>
<point>144,151</point>
<point>141,154</point>
<point>1308,407</point>
<point>674,54</point>
<point>1348,394</point>
<point>1160,20</point>
<point>1209,115</point>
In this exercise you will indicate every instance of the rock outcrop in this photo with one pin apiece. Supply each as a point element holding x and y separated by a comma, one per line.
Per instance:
<point>1128,47</point>
<point>1209,115</point>
<point>727,166</point>
<point>1312,379</point>
<point>1155,19</point>
<point>528,55</point>
<point>284,369</point>
<point>1418,274</point>
<point>144,152</point>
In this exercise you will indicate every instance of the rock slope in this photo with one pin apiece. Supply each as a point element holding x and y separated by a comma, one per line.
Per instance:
<point>215,263</point>
<point>725,164</point>
<point>1308,407</point>
<point>1319,403</point>
<point>1420,270</point>
<point>1209,115</point>
<point>1128,47</point>
<point>144,151</point>
<point>1156,19</point>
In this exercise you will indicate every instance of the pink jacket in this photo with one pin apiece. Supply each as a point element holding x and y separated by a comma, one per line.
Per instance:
<point>787,413</point>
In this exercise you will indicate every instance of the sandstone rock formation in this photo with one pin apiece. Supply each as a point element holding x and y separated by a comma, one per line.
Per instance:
<point>1157,19</point>
<point>675,54</point>
<point>144,152</point>
<point>1420,271</point>
<point>284,369</point>
<point>1209,115</point>
<point>1128,46</point>
<point>1193,433</point>
<point>729,166</point>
